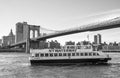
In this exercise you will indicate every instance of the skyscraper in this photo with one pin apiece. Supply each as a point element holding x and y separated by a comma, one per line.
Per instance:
<point>97,39</point>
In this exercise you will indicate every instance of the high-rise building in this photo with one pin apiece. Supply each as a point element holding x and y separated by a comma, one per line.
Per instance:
<point>97,39</point>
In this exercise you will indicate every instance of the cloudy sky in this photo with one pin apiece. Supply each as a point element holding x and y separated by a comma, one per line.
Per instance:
<point>59,15</point>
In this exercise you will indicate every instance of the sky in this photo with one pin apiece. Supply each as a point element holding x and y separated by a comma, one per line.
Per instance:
<point>60,15</point>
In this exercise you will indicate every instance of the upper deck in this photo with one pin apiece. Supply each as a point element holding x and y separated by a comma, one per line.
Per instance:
<point>66,48</point>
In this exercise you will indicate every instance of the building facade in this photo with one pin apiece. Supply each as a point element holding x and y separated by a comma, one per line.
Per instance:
<point>0,42</point>
<point>97,39</point>
<point>8,40</point>
<point>69,43</point>
<point>54,44</point>
<point>111,48</point>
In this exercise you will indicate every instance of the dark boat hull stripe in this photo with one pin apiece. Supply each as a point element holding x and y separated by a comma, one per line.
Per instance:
<point>70,61</point>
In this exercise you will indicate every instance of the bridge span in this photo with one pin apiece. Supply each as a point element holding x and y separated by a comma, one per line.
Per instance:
<point>107,24</point>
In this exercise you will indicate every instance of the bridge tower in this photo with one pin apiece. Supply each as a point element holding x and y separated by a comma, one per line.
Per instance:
<point>25,32</point>
<point>21,31</point>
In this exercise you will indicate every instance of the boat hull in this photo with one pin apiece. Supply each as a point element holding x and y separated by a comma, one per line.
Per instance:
<point>69,61</point>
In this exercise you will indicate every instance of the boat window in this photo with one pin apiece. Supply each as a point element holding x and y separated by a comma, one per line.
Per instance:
<point>86,54</point>
<point>60,54</point>
<point>55,54</point>
<point>90,54</point>
<point>94,54</point>
<point>81,54</point>
<point>64,54</point>
<point>77,54</point>
<point>46,54</point>
<point>69,54</point>
<point>41,55</point>
<point>97,54</point>
<point>37,55</point>
<point>51,54</point>
<point>73,54</point>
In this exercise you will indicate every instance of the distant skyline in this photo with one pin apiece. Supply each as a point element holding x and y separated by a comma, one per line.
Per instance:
<point>59,15</point>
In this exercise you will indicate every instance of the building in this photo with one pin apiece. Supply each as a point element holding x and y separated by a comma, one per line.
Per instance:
<point>97,39</point>
<point>7,40</point>
<point>54,44</point>
<point>97,44</point>
<point>43,45</point>
<point>110,48</point>
<point>0,42</point>
<point>69,43</point>
<point>119,44</point>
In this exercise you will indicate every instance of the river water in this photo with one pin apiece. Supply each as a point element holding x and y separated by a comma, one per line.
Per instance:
<point>17,65</point>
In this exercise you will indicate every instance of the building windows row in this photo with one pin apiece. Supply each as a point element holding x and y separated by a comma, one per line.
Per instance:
<point>65,54</point>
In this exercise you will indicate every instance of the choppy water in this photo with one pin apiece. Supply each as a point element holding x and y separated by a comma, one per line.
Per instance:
<point>16,65</point>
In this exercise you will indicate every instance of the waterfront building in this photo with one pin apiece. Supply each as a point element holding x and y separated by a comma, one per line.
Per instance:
<point>97,42</point>
<point>97,39</point>
<point>119,44</point>
<point>7,40</point>
<point>54,44</point>
<point>0,42</point>
<point>111,48</point>
<point>43,44</point>
<point>78,43</point>
<point>69,43</point>
<point>85,43</point>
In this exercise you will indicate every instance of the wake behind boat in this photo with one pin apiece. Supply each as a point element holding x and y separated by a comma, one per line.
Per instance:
<point>69,54</point>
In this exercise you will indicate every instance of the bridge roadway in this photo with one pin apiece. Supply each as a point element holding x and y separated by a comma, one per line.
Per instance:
<point>107,24</point>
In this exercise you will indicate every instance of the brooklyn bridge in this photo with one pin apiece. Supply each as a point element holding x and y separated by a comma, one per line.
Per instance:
<point>30,36</point>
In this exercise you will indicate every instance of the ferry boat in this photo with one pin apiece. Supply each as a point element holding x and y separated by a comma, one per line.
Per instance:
<point>69,54</point>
